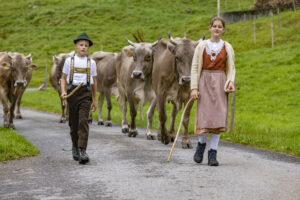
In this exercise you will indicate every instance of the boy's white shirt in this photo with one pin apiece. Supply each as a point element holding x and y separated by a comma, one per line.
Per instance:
<point>79,62</point>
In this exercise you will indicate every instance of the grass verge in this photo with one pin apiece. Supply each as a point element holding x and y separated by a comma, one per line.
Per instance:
<point>14,146</point>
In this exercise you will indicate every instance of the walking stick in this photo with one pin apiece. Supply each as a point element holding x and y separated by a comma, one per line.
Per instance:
<point>71,93</point>
<point>177,134</point>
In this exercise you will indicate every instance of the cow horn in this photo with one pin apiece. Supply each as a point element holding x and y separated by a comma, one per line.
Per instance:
<point>29,56</point>
<point>171,39</point>
<point>129,42</point>
<point>184,35</point>
<point>9,54</point>
<point>155,43</point>
<point>203,37</point>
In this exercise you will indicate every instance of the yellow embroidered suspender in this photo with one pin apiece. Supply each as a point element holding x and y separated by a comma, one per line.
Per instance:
<point>80,70</point>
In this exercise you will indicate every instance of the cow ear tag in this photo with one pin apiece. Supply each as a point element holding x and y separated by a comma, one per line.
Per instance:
<point>5,66</point>
<point>129,53</point>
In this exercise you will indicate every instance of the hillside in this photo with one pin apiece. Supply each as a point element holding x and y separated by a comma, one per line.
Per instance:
<point>268,79</point>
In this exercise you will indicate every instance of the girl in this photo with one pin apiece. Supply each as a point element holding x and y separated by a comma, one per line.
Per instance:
<point>212,78</point>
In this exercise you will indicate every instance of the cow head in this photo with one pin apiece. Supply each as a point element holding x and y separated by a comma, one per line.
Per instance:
<point>183,51</point>
<point>20,67</point>
<point>142,54</point>
<point>59,60</point>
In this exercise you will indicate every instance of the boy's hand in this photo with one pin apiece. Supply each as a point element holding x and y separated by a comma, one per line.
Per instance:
<point>94,106</point>
<point>63,95</point>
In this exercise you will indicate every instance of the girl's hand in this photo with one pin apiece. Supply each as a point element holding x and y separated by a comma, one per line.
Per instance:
<point>195,94</point>
<point>230,87</point>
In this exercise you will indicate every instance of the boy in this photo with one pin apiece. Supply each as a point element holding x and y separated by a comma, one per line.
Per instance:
<point>80,69</point>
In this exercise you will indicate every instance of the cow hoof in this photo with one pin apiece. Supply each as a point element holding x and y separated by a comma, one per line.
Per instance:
<point>109,124</point>
<point>100,123</point>
<point>90,121</point>
<point>159,137</point>
<point>187,146</point>
<point>19,117</point>
<point>165,139</point>
<point>6,125</point>
<point>125,130</point>
<point>62,121</point>
<point>132,134</point>
<point>12,126</point>
<point>151,137</point>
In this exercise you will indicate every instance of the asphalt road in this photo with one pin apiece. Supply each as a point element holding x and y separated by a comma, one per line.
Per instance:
<point>134,168</point>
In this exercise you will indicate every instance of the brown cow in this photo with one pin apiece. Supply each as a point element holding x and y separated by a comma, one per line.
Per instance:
<point>106,81</point>
<point>134,66</point>
<point>14,68</point>
<point>55,76</point>
<point>18,114</point>
<point>171,82</point>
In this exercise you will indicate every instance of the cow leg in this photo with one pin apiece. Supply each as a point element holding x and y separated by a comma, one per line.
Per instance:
<point>63,111</point>
<point>18,113</point>
<point>123,107</point>
<point>162,132</point>
<point>150,113</point>
<point>11,113</point>
<point>109,107</point>
<point>186,142</point>
<point>133,110</point>
<point>172,125</point>
<point>100,104</point>
<point>5,106</point>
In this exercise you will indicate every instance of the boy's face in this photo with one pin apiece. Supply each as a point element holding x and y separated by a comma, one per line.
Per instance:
<point>82,48</point>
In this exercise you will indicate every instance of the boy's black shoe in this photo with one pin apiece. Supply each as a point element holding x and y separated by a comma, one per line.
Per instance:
<point>198,156</point>
<point>83,157</point>
<point>212,158</point>
<point>75,153</point>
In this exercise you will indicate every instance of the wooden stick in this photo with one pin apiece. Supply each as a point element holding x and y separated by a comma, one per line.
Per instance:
<point>232,109</point>
<point>178,131</point>
<point>71,93</point>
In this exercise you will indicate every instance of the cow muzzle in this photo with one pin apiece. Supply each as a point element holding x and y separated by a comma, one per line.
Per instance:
<point>20,83</point>
<point>184,80</point>
<point>137,75</point>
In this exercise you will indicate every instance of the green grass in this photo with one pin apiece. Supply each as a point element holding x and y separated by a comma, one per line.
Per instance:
<point>14,146</point>
<point>268,79</point>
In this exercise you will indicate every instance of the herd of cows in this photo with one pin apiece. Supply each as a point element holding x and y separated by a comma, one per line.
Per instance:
<point>143,72</point>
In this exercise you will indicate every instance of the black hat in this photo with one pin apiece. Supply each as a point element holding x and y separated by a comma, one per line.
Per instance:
<point>83,36</point>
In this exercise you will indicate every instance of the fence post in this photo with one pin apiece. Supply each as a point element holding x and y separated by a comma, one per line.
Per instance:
<point>294,5</point>
<point>232,108</point>
<point>278,17</point>
<point>272,34</point>
<point>254,36</point>
<point>218,14</point>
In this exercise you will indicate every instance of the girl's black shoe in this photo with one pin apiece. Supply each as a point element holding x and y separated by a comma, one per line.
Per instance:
<point>198,156</point>
<point>212,158</point>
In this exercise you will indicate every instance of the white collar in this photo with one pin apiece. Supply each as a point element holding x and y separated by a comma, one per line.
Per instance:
<point>214,48</point>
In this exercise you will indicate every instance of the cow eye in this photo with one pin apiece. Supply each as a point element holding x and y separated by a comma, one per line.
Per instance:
<point>148,58</point>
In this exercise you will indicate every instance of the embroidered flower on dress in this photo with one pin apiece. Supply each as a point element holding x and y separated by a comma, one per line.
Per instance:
<point>214,48</point>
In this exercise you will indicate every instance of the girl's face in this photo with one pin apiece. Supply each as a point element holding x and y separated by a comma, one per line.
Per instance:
<point>82,48</point>
<point>217,29</point>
